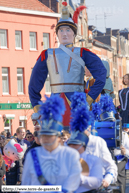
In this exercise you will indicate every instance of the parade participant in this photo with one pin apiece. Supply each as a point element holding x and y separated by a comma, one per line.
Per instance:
<point>98,147</point>
<point>65,135</point>
<point>124,100</point>
<point>52,164</point>
<point>78,140</point>
<point>66,66</point>
<point>108,88</point>
<point>37,128</point>
<point>126,129</point>
<point>108,120</point>
<point>122,156</point>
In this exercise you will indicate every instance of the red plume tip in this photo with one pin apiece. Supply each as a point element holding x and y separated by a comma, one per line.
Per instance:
<point>64,3</point>
<point>76,13</point>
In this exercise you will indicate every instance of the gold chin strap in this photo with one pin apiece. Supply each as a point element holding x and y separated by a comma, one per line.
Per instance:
<point>85,167</point>
<point>89,100</point>
<point>36,108</point>
<point>69,45</point>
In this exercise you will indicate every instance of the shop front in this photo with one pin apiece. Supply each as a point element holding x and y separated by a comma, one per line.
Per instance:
<point>14,115</point>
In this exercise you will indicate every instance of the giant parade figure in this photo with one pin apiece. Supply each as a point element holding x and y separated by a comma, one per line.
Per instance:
<point>66,66</point>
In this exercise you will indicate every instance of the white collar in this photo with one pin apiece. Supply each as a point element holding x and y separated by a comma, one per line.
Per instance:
<point>52,152</point>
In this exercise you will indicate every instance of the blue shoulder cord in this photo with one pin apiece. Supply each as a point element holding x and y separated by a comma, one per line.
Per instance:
<point>38,170</point>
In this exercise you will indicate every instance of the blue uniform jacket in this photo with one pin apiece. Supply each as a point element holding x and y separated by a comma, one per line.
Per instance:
<point>40,72</point>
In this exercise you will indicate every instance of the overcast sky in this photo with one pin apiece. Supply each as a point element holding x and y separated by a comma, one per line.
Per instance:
<point>108,13</point>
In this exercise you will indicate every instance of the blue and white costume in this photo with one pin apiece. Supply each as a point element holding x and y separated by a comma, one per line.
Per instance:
<point>80,121</point>
<point>125,143</point>
<point>98,147</point>
<point>94,180</point>
<point>58,166</point>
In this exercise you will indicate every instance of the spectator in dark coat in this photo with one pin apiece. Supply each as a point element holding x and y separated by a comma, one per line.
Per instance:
<point>2,170</point>
<point>14,174</point>
<point>2,142</point>
<point>30,138</point>
<point>36,143</point>
<point>8,135</point>
<point>21,135</point>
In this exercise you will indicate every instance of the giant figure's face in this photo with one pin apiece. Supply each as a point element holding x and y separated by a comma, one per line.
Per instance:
<point>65,35</point>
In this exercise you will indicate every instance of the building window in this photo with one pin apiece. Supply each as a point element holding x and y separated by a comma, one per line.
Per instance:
<point>7,125</point>
<point>33,45</point>
<point>20,80</point>
<point>18,40</point>
<point>3,38</point>
<point>47,86</point>
<point>5,80</point>
<point>22,123</point>
<point>45,41</point>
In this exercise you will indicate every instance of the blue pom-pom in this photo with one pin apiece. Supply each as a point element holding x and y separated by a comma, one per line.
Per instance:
<point>92,119</point>
<point>96,110</point>
<point>80,119</point>
<point>52,108</point>
<point>106,103</point>
<point>78,99</point>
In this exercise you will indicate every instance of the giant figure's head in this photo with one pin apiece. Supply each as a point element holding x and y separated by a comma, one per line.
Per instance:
<point>66,28</point>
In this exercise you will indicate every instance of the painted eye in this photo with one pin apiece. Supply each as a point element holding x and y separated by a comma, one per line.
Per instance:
<point>13,153</point>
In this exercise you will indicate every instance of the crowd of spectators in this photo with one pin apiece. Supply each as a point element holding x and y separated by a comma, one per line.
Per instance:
<point>13,175</point>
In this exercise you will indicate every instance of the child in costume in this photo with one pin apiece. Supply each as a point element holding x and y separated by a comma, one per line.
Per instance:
<point>91,177</point>
<point>52,164</point>
<point>66,66</point>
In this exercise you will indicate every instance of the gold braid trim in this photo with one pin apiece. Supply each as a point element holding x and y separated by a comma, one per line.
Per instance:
<point>36,108</point>
<point>69,102</point>
<point>89,100</point>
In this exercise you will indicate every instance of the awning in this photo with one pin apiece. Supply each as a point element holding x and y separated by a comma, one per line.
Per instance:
<point>22,118</point>
<point>9,116</point>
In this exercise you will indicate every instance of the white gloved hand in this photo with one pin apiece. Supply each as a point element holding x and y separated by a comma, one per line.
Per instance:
<point>35,118</point>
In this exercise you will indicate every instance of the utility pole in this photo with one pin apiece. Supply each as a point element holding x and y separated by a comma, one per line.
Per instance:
<point>50,4</point>
<point>105,17</point>
<point>96,18</point>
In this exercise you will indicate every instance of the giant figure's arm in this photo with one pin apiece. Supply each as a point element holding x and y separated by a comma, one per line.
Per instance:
<point>98,71</point>
<point>37,79</point>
